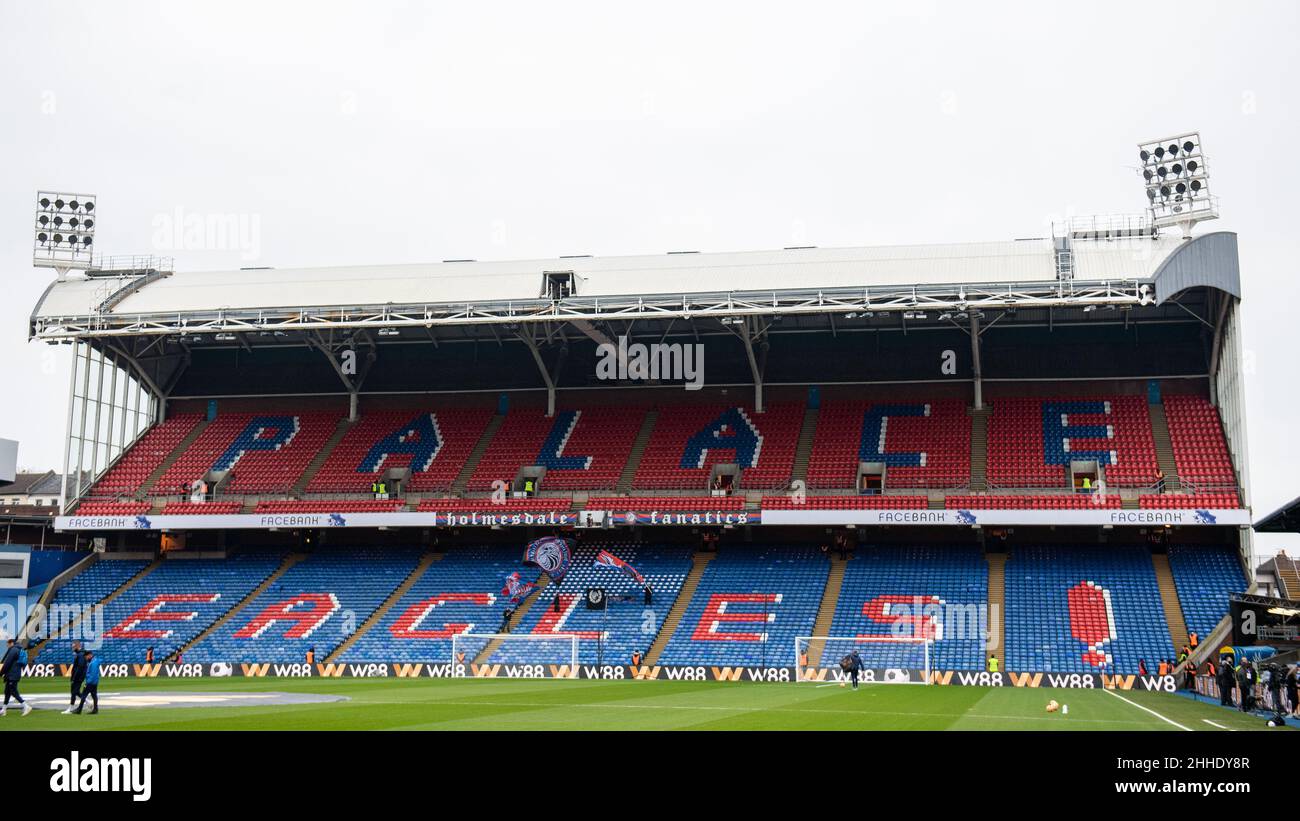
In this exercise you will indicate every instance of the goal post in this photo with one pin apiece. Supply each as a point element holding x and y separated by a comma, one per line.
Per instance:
<point>896,659</point>
<point>549,650</point>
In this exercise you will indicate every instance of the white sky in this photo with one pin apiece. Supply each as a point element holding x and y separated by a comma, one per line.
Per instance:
<point>373,132</point>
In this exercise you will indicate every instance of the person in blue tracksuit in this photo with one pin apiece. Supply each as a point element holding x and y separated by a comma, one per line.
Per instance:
<point>11,670</point>
<point>91,687</point>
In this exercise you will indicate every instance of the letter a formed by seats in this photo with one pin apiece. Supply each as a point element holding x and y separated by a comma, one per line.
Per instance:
<point>421,438</point>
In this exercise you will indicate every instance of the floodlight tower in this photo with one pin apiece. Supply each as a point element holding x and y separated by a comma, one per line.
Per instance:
<point>64,231</point>
<point>1177,178</point>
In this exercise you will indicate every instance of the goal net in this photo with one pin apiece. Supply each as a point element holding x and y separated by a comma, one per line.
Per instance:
<point>546,651</point>
<point>885,659</point>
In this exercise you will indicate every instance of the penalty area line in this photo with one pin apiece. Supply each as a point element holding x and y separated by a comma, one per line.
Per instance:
<point>1148,710</point>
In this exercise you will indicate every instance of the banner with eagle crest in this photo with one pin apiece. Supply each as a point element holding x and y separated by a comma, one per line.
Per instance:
<point>552,554</point>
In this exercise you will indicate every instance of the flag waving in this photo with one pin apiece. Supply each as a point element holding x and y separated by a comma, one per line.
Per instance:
<point>516,588</point>
<point>550,553</point>
<point>606,559</point>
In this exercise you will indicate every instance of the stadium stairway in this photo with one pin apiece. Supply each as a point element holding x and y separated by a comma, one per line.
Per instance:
<point>147,487</point>
<point>826,611</point>
<point>1287,577</point>
<point>638,450</point>
<point>393,598</point>
<point>979,448</point>
<point>997,605</point>
<point>125,586</point>
<point>1169,597</point>
<point>314,466</point>
<point>476,455</point>
<point>699,563</point>
<point>803,450</point>
<point>1164,447</point>
<point>543,581</point>
<point>289,561</point>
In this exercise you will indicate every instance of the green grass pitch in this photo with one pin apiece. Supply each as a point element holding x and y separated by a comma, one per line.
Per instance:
<point>501,704</point>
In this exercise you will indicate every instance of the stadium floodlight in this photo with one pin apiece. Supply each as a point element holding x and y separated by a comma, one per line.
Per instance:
<point>1176,174</point>
<point>895,659</point>
<point>64,230</point>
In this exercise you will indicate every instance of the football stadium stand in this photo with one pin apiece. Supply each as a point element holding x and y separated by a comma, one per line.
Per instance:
<point>316,604</point>
<point>508,505</point>
<point>201,508</point>
<point>129,473</point>
<point>433,444</point>
<point>751,604</point>
<point>1059,501</point>
<point>265,452</point>
<point>89,587</point>
<point>943,587</point>
<point>626,624</point>
<point>461,593</point>
<point>1200,450</point>
<point>1073,609</point>
<point>1068,609</point>
<point>177,601</point>
<point>1205,575</point>
<point>846,503</point>
<point>93,508</point>
<point>1033,440</point>
<point>330,506</point>
<point>580,449</point>
<point>688,440</point>
<point>640,504</point>
<point>1188,500</point>
<point>922,443</point>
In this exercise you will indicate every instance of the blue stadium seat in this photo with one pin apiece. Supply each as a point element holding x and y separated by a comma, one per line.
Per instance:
<point>1062,600</point>
<point>957,576</point>
<point>89,587</point>
<point>627,625</point>
<point>209,587</point>
<point>742,586</point>
<point>316,604</point>
<point>1204,576</point>
<point>459,593</point>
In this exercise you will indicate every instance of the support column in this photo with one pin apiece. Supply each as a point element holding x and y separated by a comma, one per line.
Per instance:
<point>67,431</point>
<point>546,375</point>
<point>755,372</point>
<point>976,368</point>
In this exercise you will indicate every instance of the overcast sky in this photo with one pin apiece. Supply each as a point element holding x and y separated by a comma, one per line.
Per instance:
<point>372,132</point>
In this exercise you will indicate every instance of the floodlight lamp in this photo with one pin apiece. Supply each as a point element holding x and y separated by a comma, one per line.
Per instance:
<point>68,245</point>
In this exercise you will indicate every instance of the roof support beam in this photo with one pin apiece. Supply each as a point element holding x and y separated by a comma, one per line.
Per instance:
<point>976,368</point>
<point>624,309</point>
<point>754,370</point>
<point>542,369</point>
<point>352,385</point>
<point>1216,346</point>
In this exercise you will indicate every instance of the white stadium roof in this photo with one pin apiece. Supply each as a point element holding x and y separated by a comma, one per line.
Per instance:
<point>79,304</point>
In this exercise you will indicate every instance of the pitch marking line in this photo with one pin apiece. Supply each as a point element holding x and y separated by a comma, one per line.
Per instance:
<point>739,709</point>
<point>1217,724</point>
<point>1148,710</point>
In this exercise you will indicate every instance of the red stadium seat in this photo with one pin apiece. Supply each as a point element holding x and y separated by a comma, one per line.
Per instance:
<point>143,458</point>
<point>602,434</point>
<point>942,435</point>
<point>1018,456</point>
<point>1200,449</point>
<point>776,431</point>
<point>460,430</point>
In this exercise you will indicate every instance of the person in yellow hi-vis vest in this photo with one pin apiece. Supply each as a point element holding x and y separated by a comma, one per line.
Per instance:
<point>993,664</point>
